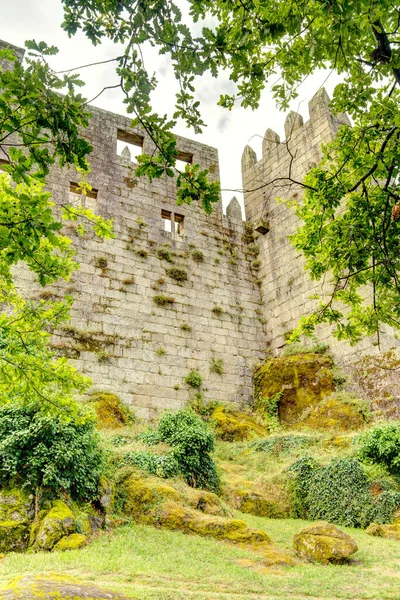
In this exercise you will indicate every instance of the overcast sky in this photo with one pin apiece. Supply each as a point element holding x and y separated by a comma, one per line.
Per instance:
<point>227,131</point>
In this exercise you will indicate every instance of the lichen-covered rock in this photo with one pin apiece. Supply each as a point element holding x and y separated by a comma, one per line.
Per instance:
<point>323,542</point>
<point>15,505</point>
<point>58,522</point>
<point>332,413</point>
<point>261,505</point>
<point>390,531</point>
<point>35,587</point>
<point>303,380</point>
<point>106,492</point>
<point>74,541</point>
<point>141,495</point>
<point>14,536</point>
<point>175,516</point>
<point>234,426</point>
<point>110,411</point>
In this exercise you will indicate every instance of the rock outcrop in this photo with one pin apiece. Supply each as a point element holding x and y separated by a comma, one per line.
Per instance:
<point>323,542</point>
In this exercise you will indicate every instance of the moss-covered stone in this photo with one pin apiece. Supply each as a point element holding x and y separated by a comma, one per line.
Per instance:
<point>39,587</point>
<point>303,380</point>
<point>141,494</point>
<point>234,426</point>
<point>74,541</point>
<point>261,504</point>
<point>106,492</point>
<point>323,542</point>
<point>174,516</point>
<point>392,531</point>
<point>330,414</point>
<point>110,411</point>
<point>57,523</point>
<point>15,505</point>
<point>14,536</point>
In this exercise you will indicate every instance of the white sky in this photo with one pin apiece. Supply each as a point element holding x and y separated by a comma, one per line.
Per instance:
<point>227,131</point>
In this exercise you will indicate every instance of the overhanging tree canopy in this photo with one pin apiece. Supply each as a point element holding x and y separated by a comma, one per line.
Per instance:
<point>254,40</point>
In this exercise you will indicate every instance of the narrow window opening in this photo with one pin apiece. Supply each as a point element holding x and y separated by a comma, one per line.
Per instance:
<point>129,144</point>
<point>172,222</point>
<point>183,159</point>
<point>74,188</point>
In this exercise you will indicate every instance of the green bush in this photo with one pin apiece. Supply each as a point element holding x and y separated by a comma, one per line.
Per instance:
<point>41,449</point>
<point>193,378</point>
<point>381,445</point>
<point>192,440</point>
<point>163,466</point>
<point>339,493</point>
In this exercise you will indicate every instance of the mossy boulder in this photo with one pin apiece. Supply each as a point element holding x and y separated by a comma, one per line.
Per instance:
<point>15,505</point>
<point>74,541</point>
<point>302,380</point>
<point>333,413</point>
<point>262,504</point>
<point>106,491</point>
<point>58,522</point>
<point>323,542</point>
<point>140,495</point>
<point>234,426</point>
<point>111,413</point>
<point>35,587</point>
<point>392,531</point>
<point>174,516</point>
<point>14,536</point>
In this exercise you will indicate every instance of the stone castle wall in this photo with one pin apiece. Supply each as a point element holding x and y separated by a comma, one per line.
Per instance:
<point>118,335</point>
<point>285,286</point>
<point>245,289</point>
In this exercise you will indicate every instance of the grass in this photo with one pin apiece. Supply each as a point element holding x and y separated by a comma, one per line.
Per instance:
<point>146,563</point>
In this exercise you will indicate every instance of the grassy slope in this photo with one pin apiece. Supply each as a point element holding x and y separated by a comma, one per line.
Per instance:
<point>146,563</point>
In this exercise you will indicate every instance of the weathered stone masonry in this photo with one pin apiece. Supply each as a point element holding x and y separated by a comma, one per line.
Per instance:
<point>138,325</point>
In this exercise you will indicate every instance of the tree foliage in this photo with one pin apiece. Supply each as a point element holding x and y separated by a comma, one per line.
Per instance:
<point>38,127</point>
<point>351,210</point>
<point>40,449</point>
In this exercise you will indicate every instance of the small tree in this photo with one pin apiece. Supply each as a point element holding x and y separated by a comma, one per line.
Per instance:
<point>56,451</point>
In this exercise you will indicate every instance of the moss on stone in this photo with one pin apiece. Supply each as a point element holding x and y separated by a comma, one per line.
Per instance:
<point>57,522</point>
<point>32,587</point>
<point>232,426</point>
<point>74,541</point>
<point>14,536</point>
<point>332,413</point>
<point>303,380</point>
<point>323,542</point>
<point>262,505</point>
<point>391,532</point>
<point>143,494</point>
<point>15,505</point>
<point>174,516</point>
<point>110,411</point>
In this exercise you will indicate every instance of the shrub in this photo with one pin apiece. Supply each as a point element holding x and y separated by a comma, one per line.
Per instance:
<point>339,493</point>
<point>217,366</point>
<point>163,466</point>
<point>164,253</point>
<point>192,440</point>
<point>100,262</point>
<point>162,300</point>
<point>177,273</point>
<point>193,378</point>
<point>381,445</point>
<point>298,348</point>
<point>197,255</point>
<point>268,408</point>
<point>142,252</point>
<point>42,449</point>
